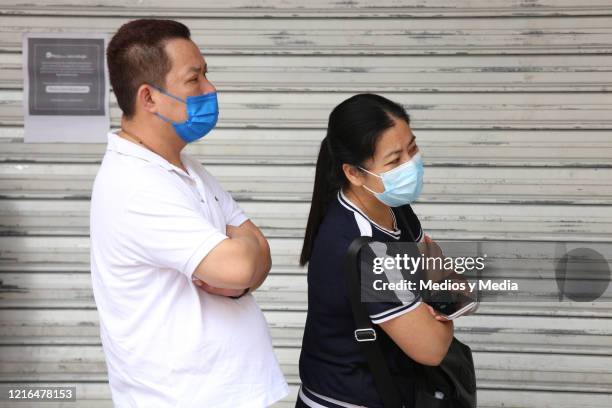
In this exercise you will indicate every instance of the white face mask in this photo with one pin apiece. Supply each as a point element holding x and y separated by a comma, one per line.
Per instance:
<point>403,184</point>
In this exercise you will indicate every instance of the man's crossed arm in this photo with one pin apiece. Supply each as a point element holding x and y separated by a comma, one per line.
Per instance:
<point>241,262</point>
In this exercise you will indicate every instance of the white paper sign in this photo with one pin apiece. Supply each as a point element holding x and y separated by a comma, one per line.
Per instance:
<point>65,88</point>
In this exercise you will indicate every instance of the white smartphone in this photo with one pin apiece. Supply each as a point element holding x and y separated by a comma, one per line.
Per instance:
<point>451,308</point>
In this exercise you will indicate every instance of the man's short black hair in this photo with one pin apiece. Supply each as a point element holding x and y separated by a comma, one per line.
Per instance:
<point>135,56</point>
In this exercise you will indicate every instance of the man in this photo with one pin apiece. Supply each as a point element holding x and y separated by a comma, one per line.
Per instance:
<point>161,226</point>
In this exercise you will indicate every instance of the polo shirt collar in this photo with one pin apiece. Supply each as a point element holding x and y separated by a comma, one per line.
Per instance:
<point>122,146</point>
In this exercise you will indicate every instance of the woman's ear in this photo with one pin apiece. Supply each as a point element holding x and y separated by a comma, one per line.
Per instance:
<point>353,174</point>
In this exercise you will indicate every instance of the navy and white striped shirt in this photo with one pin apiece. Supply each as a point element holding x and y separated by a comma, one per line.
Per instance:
<point>333,368</point>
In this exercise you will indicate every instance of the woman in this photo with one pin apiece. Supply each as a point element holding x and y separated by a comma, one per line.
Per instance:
<point>368,171</point>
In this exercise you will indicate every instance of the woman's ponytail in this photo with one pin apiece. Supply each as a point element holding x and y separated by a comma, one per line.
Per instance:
<point>325,185</point>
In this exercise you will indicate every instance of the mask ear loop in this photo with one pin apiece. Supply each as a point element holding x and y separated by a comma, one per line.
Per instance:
<point>366,187</point>
<point>166,119</point>
<point>368,171</point>
<point>171,96</point>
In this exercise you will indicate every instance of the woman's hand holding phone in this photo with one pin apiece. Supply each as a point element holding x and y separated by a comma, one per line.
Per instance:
<point>436,315</point>
<point>460,307</point>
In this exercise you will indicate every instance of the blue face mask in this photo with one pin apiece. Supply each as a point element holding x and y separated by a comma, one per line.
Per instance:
<point>403,184</point>
<point>202,115</point>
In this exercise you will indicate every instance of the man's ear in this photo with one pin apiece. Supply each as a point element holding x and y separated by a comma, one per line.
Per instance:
<point>353,174</point>
<point>146,98</point>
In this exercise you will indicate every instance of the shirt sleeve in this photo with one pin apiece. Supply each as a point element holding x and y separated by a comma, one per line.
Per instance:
<point>167,230</point>
<point>234,215</point>
<point>383,311</point>
<point>384,302</point>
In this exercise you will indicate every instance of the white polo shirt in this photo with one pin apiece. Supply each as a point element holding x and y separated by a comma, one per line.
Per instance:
<point>168,343</point>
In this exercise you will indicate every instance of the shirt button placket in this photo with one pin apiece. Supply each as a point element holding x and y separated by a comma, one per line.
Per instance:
<point>198,191</point>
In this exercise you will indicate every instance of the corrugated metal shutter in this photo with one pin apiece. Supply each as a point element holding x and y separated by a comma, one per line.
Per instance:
<point>511,104</point>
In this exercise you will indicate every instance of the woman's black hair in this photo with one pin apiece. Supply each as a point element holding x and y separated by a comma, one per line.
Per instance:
<point>352,132</point>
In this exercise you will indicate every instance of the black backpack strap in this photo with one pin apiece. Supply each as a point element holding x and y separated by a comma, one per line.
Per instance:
<point>365,333</point>
<point>402,217</point>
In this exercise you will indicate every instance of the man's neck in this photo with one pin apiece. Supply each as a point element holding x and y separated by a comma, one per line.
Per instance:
<point>165,145</point>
